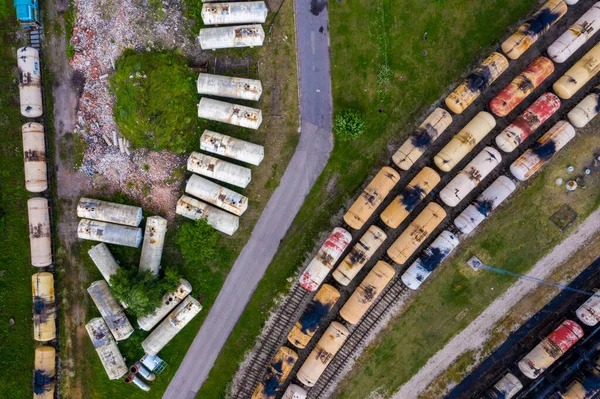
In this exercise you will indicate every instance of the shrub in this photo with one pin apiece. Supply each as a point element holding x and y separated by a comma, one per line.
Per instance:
<point>349,124</point>
<point>197,241</point>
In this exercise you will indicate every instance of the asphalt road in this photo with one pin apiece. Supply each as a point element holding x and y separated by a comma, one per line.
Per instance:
<point>312,153</point>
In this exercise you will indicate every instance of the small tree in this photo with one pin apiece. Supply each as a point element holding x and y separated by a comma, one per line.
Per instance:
<point>197,241</point>
<point>349,124</point>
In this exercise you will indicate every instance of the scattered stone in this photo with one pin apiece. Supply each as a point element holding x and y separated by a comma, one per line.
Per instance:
<point>11,321</point>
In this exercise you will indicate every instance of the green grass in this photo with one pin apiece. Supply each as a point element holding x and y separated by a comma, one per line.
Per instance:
<point>377,68</point>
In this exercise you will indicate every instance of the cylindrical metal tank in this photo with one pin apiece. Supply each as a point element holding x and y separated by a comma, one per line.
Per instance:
<point>416,232</point>
<point>359,255</point>
<point>429,260</point>
<point>579,74</point>
<point>169,327</point>
<point>479,80</point>
<point>34,154</point>
<point>40,233</point>
<point>231,36</point>
<point>313,316</point>
<point>216,195</point>
<point>586,110</point>
<point>506,388</point>
<point>233,114</point>
<point>44,372</point>
<point>231,147</point>
<point>550,143</point>
<point>30,82</point>
<point>109,233</point>
<point>139,368</point>
<point>104,261</point>
<point>571,2</point>
<point>410,196</point>
<point>533,28</point>
<point>110,310</point>
<point>229,86</point>
<point>218,169</point>
<point>585,386</point>
<point>489,200</point>
<point>576,36</point>
<point>468,178</point>
<point>320,357</point>
<point>371,197</point>
<point>528,122</point>
<point>44,307</point>
<point>422,138</point>
<point>111,212</point>
<point>294,391</point>
<point>154,241</point>
<point>220,220</point>
<point>247,12</point>
<point>137,381</point>
<point>329,253</point>
<point>464,141</point>
<point>169,301</point>
<point>550,349</point>
<point>278,371</point>
<point>367,292</point>
<point>589,312</point>
<point>106,348</point>
<point>521,86</point>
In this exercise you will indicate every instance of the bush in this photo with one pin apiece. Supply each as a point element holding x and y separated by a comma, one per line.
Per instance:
<point>156,100</point>
<point>349,124</point>
<point>197,241</point>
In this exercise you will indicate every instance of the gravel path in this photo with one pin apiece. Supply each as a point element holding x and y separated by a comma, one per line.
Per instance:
<point>477,333</point>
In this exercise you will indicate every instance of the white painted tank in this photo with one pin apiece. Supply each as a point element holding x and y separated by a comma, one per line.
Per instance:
<point>576,36</point>
<point>112,212</point>
<point>217,169</point>
<point>489,200</point>
<point>468,178</point>
<point>154,241</point>
<point>110,310</point>
<point>229,86</point>
<point>231,147</point>
<point>109,233</point>
<point>40,232</point>
<point>429,260</point>
<point>220,220</point>
<point>579,74</point>
<point>586,110</point>
<point>246,12</point>
<point>571,2</point>
<point>177,319</point>
<point>231,36</point>
<point>30,82</point>
<point>294,391</point>
<point>542,151</point>
<point>104,261</point>
<point>169,302</point>
<point>233,114</point>
<point>216,195</point>
<point>589,312</point>
<point>106,348</point>
<point>34,154</point>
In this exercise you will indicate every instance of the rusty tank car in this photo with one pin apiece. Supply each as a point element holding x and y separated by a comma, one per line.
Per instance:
<point>278,371</point>
<point>44,307</point>
<point>576,36</point>
<point>579,74</point>
<point>586,110</point>
<point>506,388</point>
<point>30,82</point>
<point>44,381</point>
<point>359,255</point>
<point>40,232</point>
<point>589,312</point>
<point>34,157</point>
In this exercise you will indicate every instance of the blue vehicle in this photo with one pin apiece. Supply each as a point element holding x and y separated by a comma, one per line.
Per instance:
<point>28,13</point>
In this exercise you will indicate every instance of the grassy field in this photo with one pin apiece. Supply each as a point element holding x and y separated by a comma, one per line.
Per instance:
<point>377,67</point>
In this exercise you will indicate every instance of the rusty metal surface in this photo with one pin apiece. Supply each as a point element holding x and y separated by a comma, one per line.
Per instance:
<point>106,348</point>
<point>34,156</point>
<point>218,169</point>
<point>44,373</point>
<point>246,12</point>
<point>231,36</point>
<point>110,310</point>
<point>44,307</point>
<point>111,212</point>
<point>579,74</point>
<point>576,36</point>
<point>169,301</point>
<point>220,220</point>
<point>359,255</point>
<point>30,82</point>
<point>40,232</point>
<point>231,147</point>
<point>586,110</point>
<point>277,372</point>
<point>216,195</point>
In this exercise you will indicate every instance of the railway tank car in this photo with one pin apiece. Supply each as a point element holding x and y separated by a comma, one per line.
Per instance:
<point>579,74</point>
<point>506,388</point>
<point>586,110</point>
<point>34,157</point>
<point>468,178</point>
<point>294,391</point>
<point>576,36</point>
<point>329,253</point>
<point>586,384</point>
<point>320,357</point>
<point>550,349</point>
<point>44,307</point>
<point>313,316</point>
<point>528,122</point>
<point>44,381</point>
<point>30,82</point>
<point>476,83</point>
<point>40,232</point>
<point>542,151</point>
<point>367,292</point>
<point>416,232</point>
<point>521,86</point>
<point>429,260</point>
<point>589,312</point>
<point>372,196</point>
<point>487,201</point>
<point>464,141</point>
<point>534,28</point>
<point>278,371</point>
<point>422,138</point>
<point>410,197</point>
<point>359,255</point>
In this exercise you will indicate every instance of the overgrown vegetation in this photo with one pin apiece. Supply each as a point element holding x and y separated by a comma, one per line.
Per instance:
<point>349,124</point>
<point>156,100</point>
<point>194,11</point>
<point>197,241</point>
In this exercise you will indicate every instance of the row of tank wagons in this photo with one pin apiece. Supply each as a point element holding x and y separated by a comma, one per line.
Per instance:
<point>548,351</point>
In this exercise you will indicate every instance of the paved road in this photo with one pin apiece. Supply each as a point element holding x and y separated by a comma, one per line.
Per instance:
<point>312,153</point>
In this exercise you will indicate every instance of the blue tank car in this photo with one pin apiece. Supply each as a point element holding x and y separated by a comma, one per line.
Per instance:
<point>28,13</point>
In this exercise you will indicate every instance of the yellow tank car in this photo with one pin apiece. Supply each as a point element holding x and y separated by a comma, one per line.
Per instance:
<point>44,307</point>
<point>43,375</point>
<point>579,74</point>
<point>281,366</point>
